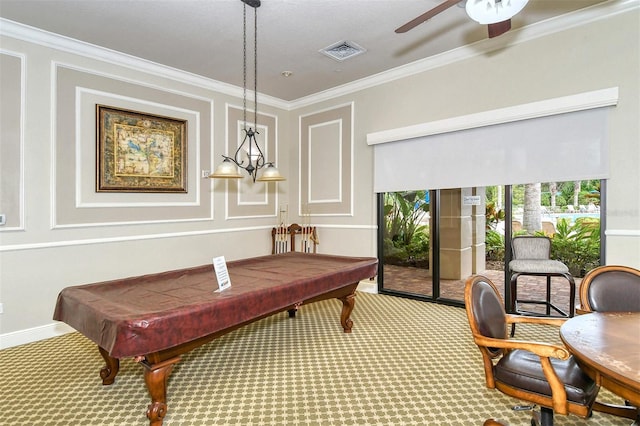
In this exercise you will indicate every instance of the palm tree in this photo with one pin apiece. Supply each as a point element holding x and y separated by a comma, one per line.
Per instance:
<point>532,217</point>
<point>553,189</point>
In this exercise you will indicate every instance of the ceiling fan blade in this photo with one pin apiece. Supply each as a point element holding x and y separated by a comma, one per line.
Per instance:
<point>499,28</point>
<point>426,16</point>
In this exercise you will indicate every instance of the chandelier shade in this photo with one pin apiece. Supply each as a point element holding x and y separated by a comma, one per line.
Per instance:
<point>248,155</point>
<point>226,170</point>
<point>270,174</point>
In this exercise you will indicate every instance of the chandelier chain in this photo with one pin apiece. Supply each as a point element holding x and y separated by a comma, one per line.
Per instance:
<point>255,69</point>
<point>244,66</point>
<point>249,150</point>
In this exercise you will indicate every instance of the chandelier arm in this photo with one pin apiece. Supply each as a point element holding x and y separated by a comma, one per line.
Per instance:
<point>260,161</point>
<point>237,158</point>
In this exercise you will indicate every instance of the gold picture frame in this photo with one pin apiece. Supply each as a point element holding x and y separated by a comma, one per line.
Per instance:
<point>139,152</point>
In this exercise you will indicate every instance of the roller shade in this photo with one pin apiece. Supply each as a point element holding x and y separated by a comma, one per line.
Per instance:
<point>561,147</point>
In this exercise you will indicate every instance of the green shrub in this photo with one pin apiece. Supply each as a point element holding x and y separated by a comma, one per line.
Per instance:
<point>493,215</point>
<point>494,245</point>
<point>406,240</point>
<point>419,245</point>
<point>577,245</point>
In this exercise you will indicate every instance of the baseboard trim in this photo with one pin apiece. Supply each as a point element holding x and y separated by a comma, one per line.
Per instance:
<point>34,334</point>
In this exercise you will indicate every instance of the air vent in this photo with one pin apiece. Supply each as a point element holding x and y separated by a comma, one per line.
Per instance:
<point>343,50</point>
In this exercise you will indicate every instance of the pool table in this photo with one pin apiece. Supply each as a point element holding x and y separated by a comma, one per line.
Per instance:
<point>156,318</point>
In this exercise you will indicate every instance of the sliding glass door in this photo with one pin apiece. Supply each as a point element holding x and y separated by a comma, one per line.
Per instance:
<point>405,223</point>
<point>430,242</point>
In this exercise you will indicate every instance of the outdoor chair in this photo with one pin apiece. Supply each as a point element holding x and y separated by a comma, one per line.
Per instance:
<point>612,288</point>
<point>548,228</point>
<point>531,257</point>
<point>516,225</point>
<point>539,373</point>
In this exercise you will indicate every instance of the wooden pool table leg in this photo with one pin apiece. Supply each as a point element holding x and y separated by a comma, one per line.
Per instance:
<point>156,376</point>
<point>348,302</point>
<point>110,370</point>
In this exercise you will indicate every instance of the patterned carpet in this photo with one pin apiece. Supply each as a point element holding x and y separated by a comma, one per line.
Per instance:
<point>406,363</point>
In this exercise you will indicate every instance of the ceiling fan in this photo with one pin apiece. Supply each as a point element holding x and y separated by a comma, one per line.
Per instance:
<point>496,14</point>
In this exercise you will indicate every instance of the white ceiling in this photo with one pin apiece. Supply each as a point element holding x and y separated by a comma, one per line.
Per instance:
<point>204,37</point>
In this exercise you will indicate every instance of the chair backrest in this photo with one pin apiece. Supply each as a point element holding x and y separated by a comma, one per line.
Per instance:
<point>294,238</point>
<point>485,310</point>
<point>531,247</point>
<point>548,228</point>
<point>308,238</point>
<point>611,288</point>
<point>281,240</point>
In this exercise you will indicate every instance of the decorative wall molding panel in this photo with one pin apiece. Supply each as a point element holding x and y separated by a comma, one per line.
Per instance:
<point>75,201</point>
<point>12,92</point>
<point>245,198</point>
<point>326,162</point>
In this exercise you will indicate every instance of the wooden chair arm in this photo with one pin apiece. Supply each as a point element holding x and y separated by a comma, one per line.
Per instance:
<point>543,350</point>
<point>524,319</point>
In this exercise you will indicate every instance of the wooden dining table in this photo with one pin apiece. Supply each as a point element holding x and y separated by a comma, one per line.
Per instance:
<point>607,347</point>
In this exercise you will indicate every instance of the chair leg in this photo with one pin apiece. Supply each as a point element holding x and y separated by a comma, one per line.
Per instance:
<point>546,416</point>
<point>572,294</point>
<point>548,305</point>
<point>513,284</point>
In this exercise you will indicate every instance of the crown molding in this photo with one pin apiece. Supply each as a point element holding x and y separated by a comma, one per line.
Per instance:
<point>579,18</point>
<point>51,40</point>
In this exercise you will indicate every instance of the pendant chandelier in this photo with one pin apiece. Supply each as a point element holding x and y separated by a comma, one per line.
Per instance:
<point>249,156</point>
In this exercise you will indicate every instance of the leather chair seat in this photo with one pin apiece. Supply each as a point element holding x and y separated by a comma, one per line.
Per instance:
<point>522,369</point>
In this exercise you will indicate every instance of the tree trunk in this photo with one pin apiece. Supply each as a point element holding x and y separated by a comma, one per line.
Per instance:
<point>553,189</point>
<point>532,217</point>
<point>576,192</point>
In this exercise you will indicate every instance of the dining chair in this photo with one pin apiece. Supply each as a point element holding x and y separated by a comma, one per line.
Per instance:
<point>540,373</point>
<point>281,240</point>
<point>302,238</point>
<point>611,288</point>
<point>305,236</point>
<point>494,422</point>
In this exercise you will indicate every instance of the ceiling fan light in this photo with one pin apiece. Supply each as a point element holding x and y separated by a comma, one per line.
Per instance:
<point>493,11</point>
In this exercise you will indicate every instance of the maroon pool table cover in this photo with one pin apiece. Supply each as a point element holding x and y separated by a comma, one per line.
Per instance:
<point>145,314</point>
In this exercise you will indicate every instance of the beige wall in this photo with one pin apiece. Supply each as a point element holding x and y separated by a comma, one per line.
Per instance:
<point>55,241</point>
<point>598,55</point>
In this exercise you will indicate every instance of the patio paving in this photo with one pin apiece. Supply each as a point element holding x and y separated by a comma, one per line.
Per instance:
<point>419,281</point>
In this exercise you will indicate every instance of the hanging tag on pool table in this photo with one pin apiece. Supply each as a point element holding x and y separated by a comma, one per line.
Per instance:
<point>220,266</point>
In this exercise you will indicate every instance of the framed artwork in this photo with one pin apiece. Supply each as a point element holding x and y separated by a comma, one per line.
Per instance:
<point>138,152</point>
